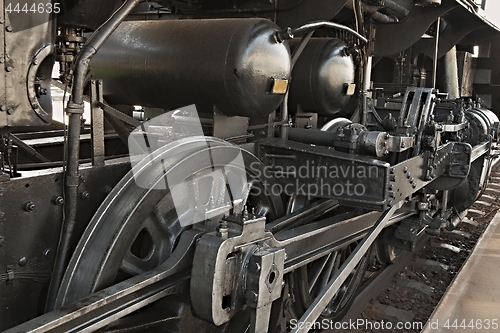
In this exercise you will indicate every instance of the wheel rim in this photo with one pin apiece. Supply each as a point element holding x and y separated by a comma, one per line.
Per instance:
<point>136,229</point>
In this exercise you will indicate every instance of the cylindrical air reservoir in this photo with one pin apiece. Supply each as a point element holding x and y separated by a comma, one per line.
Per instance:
<point>322,78</point>
<point>235,65</point>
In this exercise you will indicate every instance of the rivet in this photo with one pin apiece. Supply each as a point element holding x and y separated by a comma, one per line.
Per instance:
<point>8,28</point>
<point>85,195</point>
<point>2,215</point>
<point>2,240</point>
<point>23,261</point>
<point>29,206</point>
<point>3,107</point>
<point>35,106</point>
<point>9,68</point>
<point>10,111</point>
<point>35,61</point>
<point>58,200</point>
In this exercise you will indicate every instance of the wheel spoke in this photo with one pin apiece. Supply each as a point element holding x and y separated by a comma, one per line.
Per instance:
<point>329,269</point>
<point>133,265</point>
<point>316,270</point>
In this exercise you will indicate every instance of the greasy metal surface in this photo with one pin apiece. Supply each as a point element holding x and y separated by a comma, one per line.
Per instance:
<point>25,69</point>
<point>226,63</point>
<point>321,76</point>
<point>130,208</point>
<point>323,172</point>
<point>32,234</point>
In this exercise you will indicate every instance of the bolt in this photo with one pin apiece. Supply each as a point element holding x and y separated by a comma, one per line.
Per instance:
<point>408,175</point>
<point>386,152</point>
<point>23,261</point>
<point>251,296</point>
<point>257,267</point>
<point>391,187</point>
<point>46,253</point>
<point>403,145</point>
<point>464,168</point>
<point>9,68</point>
<point>392,171</point>
<point>3,107</point>
<point>58,200</point>
<point>35,61</point>
<point>35,106</point>
<point>29,206</point>
<point>1,191</point>
<point>405,169</point>
<point>85,195</point>
<point>9,111</point>
<point>2,215</point>
<point>389,204</point>
<point>2,240</point>
<point>8,28</point>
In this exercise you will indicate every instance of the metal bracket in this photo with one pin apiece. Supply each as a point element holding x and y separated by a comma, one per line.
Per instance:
<point>224,260</point>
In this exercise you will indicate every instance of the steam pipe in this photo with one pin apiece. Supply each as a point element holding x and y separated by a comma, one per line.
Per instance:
<point>75,111</point>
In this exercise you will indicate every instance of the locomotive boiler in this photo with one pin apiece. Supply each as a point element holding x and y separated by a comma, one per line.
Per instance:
<point>231,166</point>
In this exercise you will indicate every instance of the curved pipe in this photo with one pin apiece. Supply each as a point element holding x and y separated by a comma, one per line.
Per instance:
<point>289,32</point>
<point>75,110</point>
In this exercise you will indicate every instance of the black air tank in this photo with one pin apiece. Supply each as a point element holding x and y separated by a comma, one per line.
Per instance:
<point>321,76</point>
<point>227,63</point>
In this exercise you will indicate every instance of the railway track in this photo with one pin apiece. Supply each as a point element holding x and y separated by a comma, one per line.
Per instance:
<point>400,297</point>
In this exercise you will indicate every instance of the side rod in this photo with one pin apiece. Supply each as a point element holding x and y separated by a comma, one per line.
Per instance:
<point>327,293</point>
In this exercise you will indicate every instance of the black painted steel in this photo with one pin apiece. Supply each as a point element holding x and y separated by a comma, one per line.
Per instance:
<point>229,63</point>
<point>320,77</point>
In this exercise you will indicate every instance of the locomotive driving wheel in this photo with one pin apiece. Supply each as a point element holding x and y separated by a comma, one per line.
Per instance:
<point>137,228</point>
<point>308,281</point>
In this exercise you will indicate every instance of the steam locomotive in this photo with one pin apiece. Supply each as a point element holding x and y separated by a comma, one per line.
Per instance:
<point>233,165</point>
